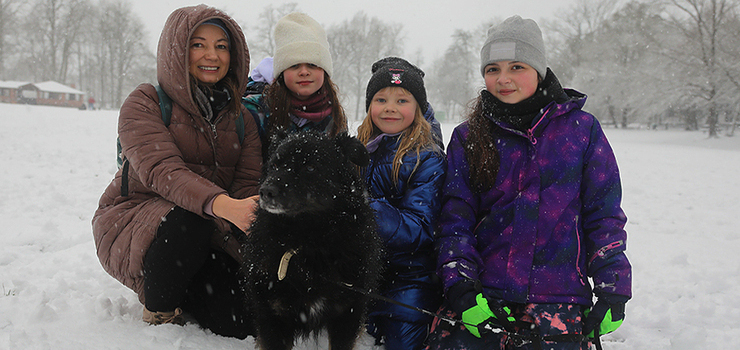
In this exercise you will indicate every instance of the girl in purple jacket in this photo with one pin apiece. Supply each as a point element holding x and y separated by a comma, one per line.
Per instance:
<point>531,225</point>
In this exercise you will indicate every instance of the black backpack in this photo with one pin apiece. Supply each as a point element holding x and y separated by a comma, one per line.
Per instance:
<point>165,106</point>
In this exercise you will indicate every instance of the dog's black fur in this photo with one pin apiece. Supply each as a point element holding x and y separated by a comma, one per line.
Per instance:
<point>312,201</point>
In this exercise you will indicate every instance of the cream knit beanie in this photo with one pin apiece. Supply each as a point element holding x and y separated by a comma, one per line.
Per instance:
<point>300,39</point>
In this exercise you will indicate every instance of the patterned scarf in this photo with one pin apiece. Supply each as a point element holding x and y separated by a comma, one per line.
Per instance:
<point>212,100</point>
<point>314,109</point>
<point>373,144</point>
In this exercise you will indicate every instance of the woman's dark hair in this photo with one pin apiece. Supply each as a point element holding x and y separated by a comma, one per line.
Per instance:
<point>480,148</point>
<point>278,99</point>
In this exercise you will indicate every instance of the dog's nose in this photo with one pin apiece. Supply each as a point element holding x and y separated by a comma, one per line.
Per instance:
<point>267,191</point>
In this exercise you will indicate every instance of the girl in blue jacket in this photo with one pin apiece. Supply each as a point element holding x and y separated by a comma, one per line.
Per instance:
<point>532,225</point>
<point>404,180</point>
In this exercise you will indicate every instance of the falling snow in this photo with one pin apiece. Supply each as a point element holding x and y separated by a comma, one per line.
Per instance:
<point>680,194</point>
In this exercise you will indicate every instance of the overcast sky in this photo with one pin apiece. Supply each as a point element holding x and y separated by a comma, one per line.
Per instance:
<point>428,24</point>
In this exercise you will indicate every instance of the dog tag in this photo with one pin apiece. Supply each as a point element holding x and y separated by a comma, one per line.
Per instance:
<point>283,268</point>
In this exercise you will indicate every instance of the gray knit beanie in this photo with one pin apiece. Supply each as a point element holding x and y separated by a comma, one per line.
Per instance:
<point>300,39</point>
<point>515,39</point>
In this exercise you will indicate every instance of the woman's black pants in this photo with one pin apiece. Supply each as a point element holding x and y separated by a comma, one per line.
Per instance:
<point>182,270</point>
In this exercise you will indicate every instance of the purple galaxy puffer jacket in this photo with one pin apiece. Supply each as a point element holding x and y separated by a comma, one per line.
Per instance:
<point>552,220</point>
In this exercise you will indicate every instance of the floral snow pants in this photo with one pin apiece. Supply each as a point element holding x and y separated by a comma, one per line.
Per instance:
<point>549,319</point>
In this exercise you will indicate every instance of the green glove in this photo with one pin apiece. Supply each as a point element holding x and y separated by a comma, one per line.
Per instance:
<point>480,313</point>
<point>603,318</point>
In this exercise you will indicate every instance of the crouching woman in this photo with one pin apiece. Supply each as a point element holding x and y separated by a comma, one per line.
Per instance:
<point>169,224</point>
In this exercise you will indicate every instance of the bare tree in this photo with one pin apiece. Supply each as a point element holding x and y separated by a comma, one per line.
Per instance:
<point>574,31</point>
<point>97,48</point>
<point>454,76</point>
<point>701,24</point>
<point>123,44</point>
<point>54,28</point>
<point>355,45</point>
<point>263,43</point>
<point>9,10</point>
<point>731,66</point>
<point>618,60</point>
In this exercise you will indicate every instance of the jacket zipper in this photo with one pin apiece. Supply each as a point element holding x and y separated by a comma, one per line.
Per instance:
<point>578,255</point>
<point>530,131</point>
<point>602,251</point>
<point>213,143</point>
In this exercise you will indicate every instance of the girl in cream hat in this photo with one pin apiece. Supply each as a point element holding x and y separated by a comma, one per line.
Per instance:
<point>302,95</point>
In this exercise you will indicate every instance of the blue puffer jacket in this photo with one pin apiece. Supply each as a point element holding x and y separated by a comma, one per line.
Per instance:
<point>552,220</point>
<point>436,127</point>
<point>407,211</point>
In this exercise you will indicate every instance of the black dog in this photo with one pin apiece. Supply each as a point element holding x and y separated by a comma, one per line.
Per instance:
<point>314,234</point>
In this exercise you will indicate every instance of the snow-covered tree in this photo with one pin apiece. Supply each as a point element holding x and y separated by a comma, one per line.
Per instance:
<point>703,25</point>
<point>9,18</point>
<point>618,70</point>
<point>355,45</point>
<point>262,42</point>
<point>54,28</point>
<point>122,42</point>
<point>570,37</point>
<point>452,82</point>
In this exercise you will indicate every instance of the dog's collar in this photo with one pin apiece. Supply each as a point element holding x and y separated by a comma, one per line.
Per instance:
<point>283,267</point>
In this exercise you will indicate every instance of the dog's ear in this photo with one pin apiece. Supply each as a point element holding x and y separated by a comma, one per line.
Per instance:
<point>277,136</point>
<point>353,149</point>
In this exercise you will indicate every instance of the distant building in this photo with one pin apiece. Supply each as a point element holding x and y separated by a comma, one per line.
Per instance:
<point>49,93</point>
<point>9,91</point>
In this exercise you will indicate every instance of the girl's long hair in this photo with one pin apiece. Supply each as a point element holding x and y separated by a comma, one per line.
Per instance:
<point>480,149</point>
<point>278,99</point>
<point>415,138</point>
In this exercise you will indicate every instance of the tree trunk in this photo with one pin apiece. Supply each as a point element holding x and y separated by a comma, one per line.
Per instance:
<point>613,116</point>
<point>624,117</point>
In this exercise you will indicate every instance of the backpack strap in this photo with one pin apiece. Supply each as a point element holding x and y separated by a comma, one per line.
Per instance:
<point>256,107</point>
<point>165,107</point>
<point>124,178</point>
<point>240,127</point>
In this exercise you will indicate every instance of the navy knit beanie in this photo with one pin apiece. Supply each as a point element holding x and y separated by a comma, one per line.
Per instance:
<point>219,23</point>
<point>395,71</point>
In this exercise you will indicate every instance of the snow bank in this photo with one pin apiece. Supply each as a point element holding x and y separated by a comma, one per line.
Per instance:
<point>680,194</point>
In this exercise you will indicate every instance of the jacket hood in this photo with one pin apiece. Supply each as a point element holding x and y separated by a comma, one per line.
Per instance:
<point>173,52</point>
<point>572,100</point>
<point>575,100</point>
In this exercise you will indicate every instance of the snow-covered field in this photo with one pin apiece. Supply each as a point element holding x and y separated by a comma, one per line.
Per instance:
<point>681,194</point>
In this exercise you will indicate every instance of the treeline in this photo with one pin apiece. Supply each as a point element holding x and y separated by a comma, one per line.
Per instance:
<point>97,46</point>
<point>657,63</point>
<point>673,62</point>
<point>660,64</point>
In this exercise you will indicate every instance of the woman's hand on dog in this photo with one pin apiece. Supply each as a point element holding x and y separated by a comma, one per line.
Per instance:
<point>240,212</point>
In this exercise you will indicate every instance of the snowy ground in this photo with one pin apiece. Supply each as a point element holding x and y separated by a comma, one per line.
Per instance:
<point>681,194</point>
